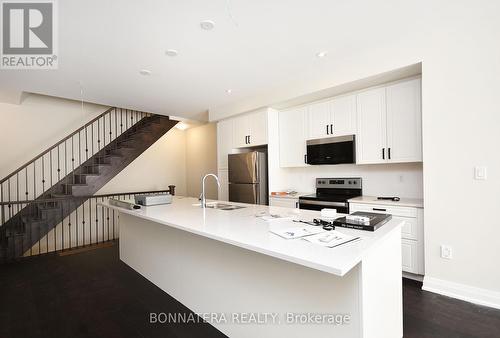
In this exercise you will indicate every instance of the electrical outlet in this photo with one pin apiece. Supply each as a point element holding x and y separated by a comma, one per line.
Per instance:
<point>446,252</point>
<point>480,173</point>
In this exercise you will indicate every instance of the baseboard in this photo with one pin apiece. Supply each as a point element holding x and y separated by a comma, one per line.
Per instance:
<point>418,278</point>
<point>463,292</point>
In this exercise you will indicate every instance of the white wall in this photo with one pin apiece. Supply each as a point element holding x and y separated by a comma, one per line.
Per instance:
<point>201,159</point>
<point>161,165</point>
<point>457,43</point>
<point>403,180</point>
<point>37,123</point>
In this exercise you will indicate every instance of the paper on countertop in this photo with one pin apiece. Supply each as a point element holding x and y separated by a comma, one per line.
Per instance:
<point>331,239</point>
<point>297,232</point>
<point>268,217</point>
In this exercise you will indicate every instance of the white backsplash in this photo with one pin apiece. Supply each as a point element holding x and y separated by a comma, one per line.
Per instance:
<point>403,180</point>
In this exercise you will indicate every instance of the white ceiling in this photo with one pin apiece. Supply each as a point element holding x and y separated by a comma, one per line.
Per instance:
<point>256,46</point>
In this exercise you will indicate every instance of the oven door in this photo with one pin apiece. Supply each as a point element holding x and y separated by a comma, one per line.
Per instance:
<point>341,207</point>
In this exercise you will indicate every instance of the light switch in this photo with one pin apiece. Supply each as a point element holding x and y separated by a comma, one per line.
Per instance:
<point>480,173</point>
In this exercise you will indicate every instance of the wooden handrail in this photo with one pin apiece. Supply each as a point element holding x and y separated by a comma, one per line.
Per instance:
<point>57,144</point>
<point>48,200</point>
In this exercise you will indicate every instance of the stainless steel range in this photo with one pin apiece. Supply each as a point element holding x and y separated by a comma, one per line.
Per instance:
<point>332,193</point>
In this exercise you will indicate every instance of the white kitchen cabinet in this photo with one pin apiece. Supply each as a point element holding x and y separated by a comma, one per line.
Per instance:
<point>412,232</point>
<point>258,128</point>
<point>344,115</point>
<point>284,202</point>
<point>292,137</point>
<point>409,256</point>
<point>224,142</point>
<point>389,124</point>
<point>250,129</point>
<point>335,117</point>
<point>241,131</point>
<point>372,137</point>
<point>319,119</point>
<point>224,184</point>
<point>404,122</point>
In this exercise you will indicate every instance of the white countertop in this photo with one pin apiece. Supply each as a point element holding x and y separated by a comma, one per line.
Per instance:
<point>403,202</point>
<point>294,196</point>
<point>242,228</point>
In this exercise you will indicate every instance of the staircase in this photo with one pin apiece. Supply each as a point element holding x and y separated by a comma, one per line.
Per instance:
<point>45,191</point>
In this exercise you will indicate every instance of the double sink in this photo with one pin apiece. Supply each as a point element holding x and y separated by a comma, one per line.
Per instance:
<point>221,206</point>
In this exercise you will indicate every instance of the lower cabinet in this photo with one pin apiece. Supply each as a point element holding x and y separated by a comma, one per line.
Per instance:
<point>223,175</point>
<point>284,202</point>
<point>410,258</point>
<point>412,232</point>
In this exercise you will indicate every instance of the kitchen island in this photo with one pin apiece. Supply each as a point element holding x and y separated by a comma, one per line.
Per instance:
<point>226,266</point>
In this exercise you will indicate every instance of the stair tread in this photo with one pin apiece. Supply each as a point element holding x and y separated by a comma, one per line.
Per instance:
<point>61,195</point>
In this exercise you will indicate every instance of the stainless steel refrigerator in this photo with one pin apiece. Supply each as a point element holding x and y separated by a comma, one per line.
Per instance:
<point>248,177</point>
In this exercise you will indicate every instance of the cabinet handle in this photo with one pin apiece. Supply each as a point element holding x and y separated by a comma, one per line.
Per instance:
<point>327,131</point>
<point>379,209</point>
<point>389,153</point>
<point>305,158</point>
<point>246,140</point>
<point>249,142</point>
<point>331,129</point>
<point>383,153</point>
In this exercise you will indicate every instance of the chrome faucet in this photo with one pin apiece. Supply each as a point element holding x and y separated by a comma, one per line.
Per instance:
<point>202,196</point>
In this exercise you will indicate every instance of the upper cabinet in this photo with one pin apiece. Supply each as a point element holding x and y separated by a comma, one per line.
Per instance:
<point>371,137</point>
<point>404,122</point>
<point>334,117</point>
<point>224,142</point>
<point>390,124</point>
<point>250,129</point>
<point>292,137</point>
<point>344,115</point>
<point>319,119</point>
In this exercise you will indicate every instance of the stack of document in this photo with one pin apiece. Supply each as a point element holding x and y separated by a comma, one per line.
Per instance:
<point>331,239</point>
<point>297,232</point>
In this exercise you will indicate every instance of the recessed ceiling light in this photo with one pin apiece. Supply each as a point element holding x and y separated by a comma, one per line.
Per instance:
<point>207,25</point>
<point>171,52</point>
<point>229,91</point>
<point>321,54</point>
<point>145,72</point>
<point>181,126</point>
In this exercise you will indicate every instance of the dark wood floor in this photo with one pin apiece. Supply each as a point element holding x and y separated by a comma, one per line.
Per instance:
<point>93,294</point>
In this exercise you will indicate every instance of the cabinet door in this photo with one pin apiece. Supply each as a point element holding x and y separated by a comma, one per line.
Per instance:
<point>409,253</point>
<point>344,115</point>
<point>258,128</point>
<point>224,142</point>
<point>292,137</point>
<point>404,122</point>
<point>224,185</point>
<point>371,138</point>
<point>241,131</point>
<point>319,120</point>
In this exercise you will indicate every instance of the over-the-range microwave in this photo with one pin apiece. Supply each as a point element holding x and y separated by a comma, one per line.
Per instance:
<point>332,150</point>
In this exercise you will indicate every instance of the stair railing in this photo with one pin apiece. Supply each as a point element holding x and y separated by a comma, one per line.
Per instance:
<point>87,225</point>
<point>44,171</point>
